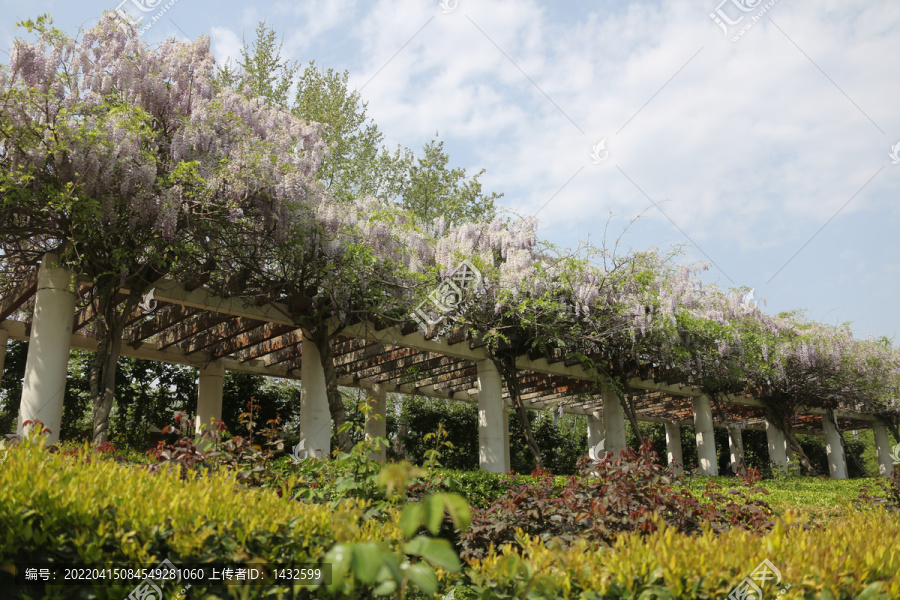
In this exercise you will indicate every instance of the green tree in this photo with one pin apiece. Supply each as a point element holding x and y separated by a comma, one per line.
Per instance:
<point>357,164</point>
<point>359,280</point>
<point>432,189</point>
<point>262,73</point>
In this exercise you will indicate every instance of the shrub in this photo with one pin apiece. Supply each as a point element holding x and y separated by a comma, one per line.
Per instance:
<point>885,491</point>
<point>78,508</point>
<point>479,488</point>
<point>72,512</point>
<point>630,492</point>
<point>842,562</point>
<point>423,416</point>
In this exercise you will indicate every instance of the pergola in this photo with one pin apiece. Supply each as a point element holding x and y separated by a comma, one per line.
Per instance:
<point>215,333</point>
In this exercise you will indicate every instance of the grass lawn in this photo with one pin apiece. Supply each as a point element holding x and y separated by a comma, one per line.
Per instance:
<point>816,500</point>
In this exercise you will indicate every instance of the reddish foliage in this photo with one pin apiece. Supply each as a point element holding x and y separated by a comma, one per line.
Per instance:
<point>612,496</point>
<point>751,476</point>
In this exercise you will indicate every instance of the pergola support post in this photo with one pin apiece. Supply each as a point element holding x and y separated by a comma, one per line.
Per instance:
<point>595,435</point>
<point>376,424</point>
<point>706,440</point>
<point>315,415</point>
<point>209,396</point>
<point>736,447</point>
<point>837,464</point>
<point>47,362</point>
<point>883,449</point>
<point>493,420</point>
<point>776,442</point>
<point>613,421</point>
<point>673,447</point>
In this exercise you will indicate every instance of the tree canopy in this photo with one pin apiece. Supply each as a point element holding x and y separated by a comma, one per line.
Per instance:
<point>357,164</point>
<point>135,163</point>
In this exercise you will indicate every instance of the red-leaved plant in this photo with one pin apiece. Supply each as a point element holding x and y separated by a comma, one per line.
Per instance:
<point>628,492</point>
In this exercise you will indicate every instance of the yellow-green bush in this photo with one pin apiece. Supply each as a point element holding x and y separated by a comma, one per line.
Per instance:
<point>856,558</point>
<point>56,508</point>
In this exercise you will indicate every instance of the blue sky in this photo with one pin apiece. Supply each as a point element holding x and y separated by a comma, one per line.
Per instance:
<point>768,155</point>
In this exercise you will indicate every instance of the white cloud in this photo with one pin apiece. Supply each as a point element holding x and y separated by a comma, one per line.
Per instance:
<point>226,45</point>
<point>750,148</point>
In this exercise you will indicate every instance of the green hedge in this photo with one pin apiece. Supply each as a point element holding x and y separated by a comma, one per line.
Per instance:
<point>846,561</point>
<point>57,509</point>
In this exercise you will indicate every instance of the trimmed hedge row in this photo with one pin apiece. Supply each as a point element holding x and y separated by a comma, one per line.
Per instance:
<point>58,509</point>
<point>857,558</point>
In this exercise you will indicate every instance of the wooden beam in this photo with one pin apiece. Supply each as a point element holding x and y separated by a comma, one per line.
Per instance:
<point>88,313</point>
<point>261,342</point>
<point>167,290</point>
<point>221,334</point>
<point>161,321</point>
<point>19,296</point>
<point>188,329</point>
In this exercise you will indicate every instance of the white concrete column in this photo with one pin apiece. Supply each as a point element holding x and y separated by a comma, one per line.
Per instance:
<point>47,363</point>
<point>673,446</point>
<point>614,422</point>
<point>493,420</point>
<point>505,423</point>
<point>209,395</point>
<point>736,447</point>
<point>595,435</point>
<point>775,438</point>
<point>315,416</point>
<point>883,449</point>
<point>376,425</point>
<point>706,439</point>
<point>4,337</point>
<point>837,465</point>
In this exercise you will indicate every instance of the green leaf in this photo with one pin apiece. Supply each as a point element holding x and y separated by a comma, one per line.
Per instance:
<point>872,592</point>
<point>423,577</point>
<point>339,557</point>
<point>385,588</point>
<point>441,554</point>
<point>392,565</point>
<point>434,512</point>
<point>366,561</point>
<point>416,545</point>
<point>459,510</point>
<point>656,593</point>
<point>411,518</point>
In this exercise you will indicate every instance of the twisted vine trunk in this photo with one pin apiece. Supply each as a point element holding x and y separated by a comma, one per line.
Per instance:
<point>110,325</point>
<point>335,400</point>
<point>506,364</point>
<point>627,405</point>
<point>781,419</point>
<point>632,416</point>
<point>891,423</point>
